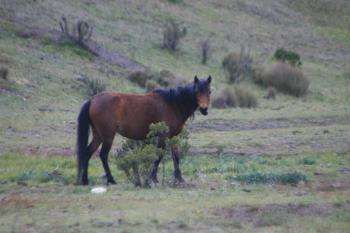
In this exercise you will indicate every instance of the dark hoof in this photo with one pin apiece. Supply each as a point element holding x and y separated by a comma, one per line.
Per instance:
<point>111,181</point>
<point>155,180</point>
<point>179,180</point>
<point>83,182</point>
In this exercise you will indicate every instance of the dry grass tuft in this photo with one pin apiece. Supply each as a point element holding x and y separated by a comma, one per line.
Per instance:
<point>235,97</point>
<point>285,78</point>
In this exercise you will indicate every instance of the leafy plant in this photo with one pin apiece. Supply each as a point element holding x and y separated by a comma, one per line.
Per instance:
<point>271,178</point>
<point>136,157</point>
<point>291,57</point>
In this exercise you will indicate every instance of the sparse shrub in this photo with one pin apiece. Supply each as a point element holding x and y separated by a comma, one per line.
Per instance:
<point>271,93</point>
<point>307,161</point>
<point>271,178</point>
<point>206,50</point>
<point>93,86</point>
<point>151,85</point>
<point>4,73</point>
<point>238,66</point>
<point>172,35</point>
<point>80,34</point>
<point>235,97</point>
<point>174,1</point>
<point>291,57</point>
<point>149,79</point>
<point>284,78</point>
<point>136,157</point>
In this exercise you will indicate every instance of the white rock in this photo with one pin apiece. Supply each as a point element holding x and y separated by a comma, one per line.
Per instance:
<point>98,190</point>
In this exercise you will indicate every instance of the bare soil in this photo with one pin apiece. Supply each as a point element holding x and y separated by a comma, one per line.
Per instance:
<point>248,213</point>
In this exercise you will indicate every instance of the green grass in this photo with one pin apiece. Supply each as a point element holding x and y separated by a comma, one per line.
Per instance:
<point>340,35</point>
<point>49,205</point>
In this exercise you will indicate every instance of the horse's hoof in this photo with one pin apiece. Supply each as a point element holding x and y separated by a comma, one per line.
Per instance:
<point>179,180</point>
<point>155,180</point>
<point>111,182</point>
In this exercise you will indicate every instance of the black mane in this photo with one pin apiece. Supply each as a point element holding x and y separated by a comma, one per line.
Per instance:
<point>184,98</point>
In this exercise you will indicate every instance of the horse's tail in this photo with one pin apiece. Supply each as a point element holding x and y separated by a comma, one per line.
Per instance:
<point>83,137</point>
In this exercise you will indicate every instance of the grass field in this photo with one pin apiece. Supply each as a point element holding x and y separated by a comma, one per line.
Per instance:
<point>281,167</point>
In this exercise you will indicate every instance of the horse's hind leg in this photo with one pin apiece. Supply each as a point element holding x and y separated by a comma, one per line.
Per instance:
<point>106,147</point>
<point>93,146</point>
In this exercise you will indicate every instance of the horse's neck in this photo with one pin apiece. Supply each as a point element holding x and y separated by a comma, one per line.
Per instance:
<point>185,113</point>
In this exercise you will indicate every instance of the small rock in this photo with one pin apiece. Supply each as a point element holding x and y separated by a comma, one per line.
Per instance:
<point>300,193</point>
<point>344,170</point>
<point>98,190</point>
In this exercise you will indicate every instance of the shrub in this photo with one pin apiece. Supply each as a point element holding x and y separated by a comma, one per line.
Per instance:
<point>271,178</point>
<point>151,85</point>
<point>150,79</point>
<point>271,93</point>
<point>93,86</point>
<point>284,78</point>
<point>136,161</point>
<point>136,158</point>
<point>4,73</point>
<point>238,66</point>
<point>206,50</point>
<point>172,35</point>
<point>291,57</point>
<point>235,97</point>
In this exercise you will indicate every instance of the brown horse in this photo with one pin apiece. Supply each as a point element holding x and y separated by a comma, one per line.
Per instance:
<point>130,115</point>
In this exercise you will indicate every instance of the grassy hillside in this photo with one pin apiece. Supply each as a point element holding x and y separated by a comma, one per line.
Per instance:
<point>45,89</point>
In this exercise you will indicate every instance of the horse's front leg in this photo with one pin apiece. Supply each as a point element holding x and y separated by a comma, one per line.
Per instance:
<point>176,160</point>
<point>160,145</point>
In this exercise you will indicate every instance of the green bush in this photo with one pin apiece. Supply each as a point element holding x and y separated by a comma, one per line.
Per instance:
<point>136,157</point>
<point>136,161</point>
<point>307,161</point>
<point>291,57</point>
<point>285,78</point>
<point>237,96</point>
<point>272,178</point>
<point>238,66</point>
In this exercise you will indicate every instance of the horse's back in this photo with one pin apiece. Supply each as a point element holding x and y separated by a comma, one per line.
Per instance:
<point>128,114</point>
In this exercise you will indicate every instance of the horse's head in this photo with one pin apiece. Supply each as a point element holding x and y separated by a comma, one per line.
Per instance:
<point>202,89</point>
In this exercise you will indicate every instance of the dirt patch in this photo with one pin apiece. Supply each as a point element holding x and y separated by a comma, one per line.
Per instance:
<point>331,186</point>
<point>240,125</point>
<point>252,214</point>
<point>18,202</point>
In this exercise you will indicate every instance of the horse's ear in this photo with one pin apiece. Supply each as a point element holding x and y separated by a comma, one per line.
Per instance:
<point>196,80</point>
<point>209,79</point>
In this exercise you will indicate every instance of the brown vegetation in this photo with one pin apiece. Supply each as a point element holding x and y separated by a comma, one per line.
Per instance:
<point>151,79</point>
<point>235,97</point>
<point>172,35</point>
<point>238,66</point>
<point>285,78</point>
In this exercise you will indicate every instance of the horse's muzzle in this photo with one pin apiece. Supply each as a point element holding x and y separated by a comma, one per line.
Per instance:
<point>204,111</point>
